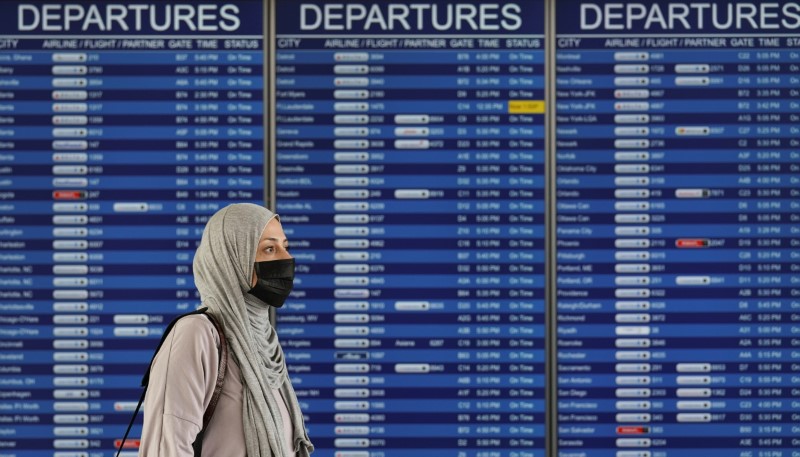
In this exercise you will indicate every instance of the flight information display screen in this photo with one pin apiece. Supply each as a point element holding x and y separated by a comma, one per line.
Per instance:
<point>123,126</point>
<point>677,228</point>
<point>409,173</point>
<point>410,155</point>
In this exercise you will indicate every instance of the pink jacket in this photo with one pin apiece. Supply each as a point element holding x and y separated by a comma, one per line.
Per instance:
<point>182,380</point>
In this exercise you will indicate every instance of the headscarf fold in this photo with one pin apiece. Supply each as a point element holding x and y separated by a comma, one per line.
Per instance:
<point>223,270</point>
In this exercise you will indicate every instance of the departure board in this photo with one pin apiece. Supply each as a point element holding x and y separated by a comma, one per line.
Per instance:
<point>410,155</point>
<point>409,173</point>
<point>123,126</point>
<point>677,238</point>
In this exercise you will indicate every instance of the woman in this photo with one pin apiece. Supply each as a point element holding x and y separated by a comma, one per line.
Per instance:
<point>242,268</point>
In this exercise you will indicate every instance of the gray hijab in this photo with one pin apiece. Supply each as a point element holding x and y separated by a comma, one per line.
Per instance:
<point>223,268</point>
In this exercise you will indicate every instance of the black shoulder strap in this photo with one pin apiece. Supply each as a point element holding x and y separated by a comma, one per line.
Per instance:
<point>197,445</point>
<point>223,368</point>
<point>223,365</point>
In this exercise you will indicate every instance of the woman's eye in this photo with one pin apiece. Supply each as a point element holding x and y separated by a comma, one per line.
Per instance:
<point>269,249</point>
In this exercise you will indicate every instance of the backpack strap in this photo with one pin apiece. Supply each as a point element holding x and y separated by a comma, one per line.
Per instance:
<point>223,368</point>
<point>135,413</point>
<point>197,445</point>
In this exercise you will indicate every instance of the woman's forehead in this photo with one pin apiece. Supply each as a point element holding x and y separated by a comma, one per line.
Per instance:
<point>273,232</point>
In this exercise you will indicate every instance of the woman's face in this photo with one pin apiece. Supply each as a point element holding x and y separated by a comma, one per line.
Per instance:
<point>273,245</point>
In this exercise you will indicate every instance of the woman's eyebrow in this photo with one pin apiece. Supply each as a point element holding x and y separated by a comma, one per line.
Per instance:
<point>285,240</point>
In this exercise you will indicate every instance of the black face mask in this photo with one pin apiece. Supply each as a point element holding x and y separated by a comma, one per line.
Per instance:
<point>274,281</point>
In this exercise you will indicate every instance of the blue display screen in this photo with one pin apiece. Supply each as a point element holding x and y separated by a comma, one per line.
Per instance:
<point>421,199</point>
<point>410,165</point>
<point>677,228</point>
<point>122,128</point>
